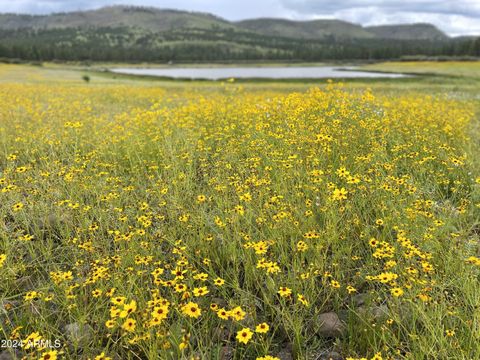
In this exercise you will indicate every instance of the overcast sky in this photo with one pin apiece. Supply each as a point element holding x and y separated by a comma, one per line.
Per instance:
<point>455,17</point>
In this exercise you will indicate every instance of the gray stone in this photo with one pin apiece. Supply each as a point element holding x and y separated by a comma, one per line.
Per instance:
<point>380,312</point>
<point>359,299</point>
<point>226,353</point>
<point>285,354</point>
<point>12,354</point>
<point>330,325</point>
<point>6,355</point>
<point>377,312</point>
<point>78,334</point>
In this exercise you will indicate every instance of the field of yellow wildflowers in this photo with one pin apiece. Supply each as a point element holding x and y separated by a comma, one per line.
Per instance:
<point>148,222</point>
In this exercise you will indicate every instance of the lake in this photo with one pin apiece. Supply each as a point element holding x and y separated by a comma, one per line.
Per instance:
<point>278,72</point>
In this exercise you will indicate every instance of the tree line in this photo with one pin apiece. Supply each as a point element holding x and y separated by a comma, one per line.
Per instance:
<point>134,44</point>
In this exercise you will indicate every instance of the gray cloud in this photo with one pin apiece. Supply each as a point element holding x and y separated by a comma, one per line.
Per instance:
<point>456,17</point>
<point>448,7</point>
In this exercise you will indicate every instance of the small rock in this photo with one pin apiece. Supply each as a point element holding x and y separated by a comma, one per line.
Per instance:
<point>359,299</point>
<point>377,312</point>
<point>6,355</point>
<point>10,354</point>
<point>343,315</point>
<point>330,325</point>
<point>285,354</point>
<point>226,353</point>
<point>78,334</point>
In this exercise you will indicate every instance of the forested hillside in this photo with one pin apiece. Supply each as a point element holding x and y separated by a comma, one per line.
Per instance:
<point>145,34</point>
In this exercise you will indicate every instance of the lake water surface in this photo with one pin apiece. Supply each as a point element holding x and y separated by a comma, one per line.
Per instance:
<point>283,72</point>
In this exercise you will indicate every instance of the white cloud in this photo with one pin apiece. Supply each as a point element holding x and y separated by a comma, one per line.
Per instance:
<point>453,25</point>
<point>455,17</point>
<point>448,7</point>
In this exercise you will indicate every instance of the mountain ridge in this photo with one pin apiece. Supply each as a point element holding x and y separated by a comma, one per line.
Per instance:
<point>406,31</point>
<point>132,34</point>
<point>158,20</point>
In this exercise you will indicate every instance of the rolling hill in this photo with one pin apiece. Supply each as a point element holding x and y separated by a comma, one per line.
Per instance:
<point>408,32</point>
<point>315,29</point>
<point>116,16</point>
<point>159,20</point>
<point>131,33</point>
